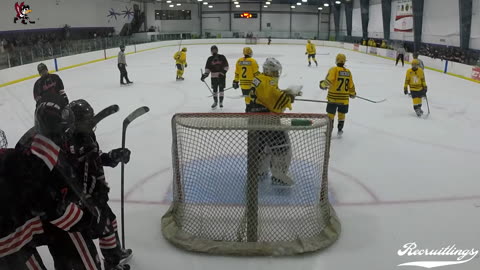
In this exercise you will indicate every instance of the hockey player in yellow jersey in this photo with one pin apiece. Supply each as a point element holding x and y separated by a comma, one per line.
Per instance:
<point>415,79</point>
<point>341,88</point>
<point>273,146</point>
<point>180,58</point>
<point>245,70</point>
<point>311,51</point>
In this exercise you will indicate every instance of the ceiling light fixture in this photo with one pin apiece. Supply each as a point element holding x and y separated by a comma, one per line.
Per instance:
<point>236,2</point>
<point>326,5</point>
<point>237,6</point>
<point>320,8</point>
<point>265,6</point>
<point>299,4</point>
<point>171,6</point>
<point>292,6</point>
<point>210,6</point>
<point>338,2</point>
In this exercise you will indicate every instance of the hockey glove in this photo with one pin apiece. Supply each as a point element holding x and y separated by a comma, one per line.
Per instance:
<point>294,90</point>
<point>235,85</point>
<point>203,77</point>
<point>186,65</point>
<point>306,53</point>
<point>120,155</point>
<point>425,90</point>
<point>405,91</point>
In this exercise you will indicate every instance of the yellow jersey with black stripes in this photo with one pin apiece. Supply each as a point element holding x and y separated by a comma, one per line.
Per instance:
<point>415,79</point>
<point>341,85</point>
<point>265,92</point>
<point>311,48</point>
<point>180,57</point>
<point>245,71</point>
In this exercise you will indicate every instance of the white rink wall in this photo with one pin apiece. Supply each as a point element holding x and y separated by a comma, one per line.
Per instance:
<point>19,73</point>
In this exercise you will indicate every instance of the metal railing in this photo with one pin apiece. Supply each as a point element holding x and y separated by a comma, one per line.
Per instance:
<point>15,56</point>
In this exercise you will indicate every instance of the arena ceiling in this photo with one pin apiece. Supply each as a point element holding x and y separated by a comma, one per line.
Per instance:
<point>308,2</point>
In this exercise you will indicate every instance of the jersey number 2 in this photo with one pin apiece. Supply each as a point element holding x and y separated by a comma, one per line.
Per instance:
<point>244,72</point>
<point>343,82</point>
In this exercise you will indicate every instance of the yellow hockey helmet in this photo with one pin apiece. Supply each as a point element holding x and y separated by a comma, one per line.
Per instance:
<point>184,49</point>
<point>415,63</point>
<point>340,59</point>
<point>247,51</point>
<point>309,41</point>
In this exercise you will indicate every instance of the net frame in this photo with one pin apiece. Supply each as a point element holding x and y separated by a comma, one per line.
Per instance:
<point>173,227</point>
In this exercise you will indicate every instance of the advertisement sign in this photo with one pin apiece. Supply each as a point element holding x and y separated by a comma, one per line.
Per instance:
<point>476,73</point>
<point>356,47</point>
<point>404,16</point>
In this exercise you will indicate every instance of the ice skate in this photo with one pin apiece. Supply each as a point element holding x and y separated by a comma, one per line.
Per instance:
<point>214,105</point>
<point>283,181</point>
<point>221,105</point>
<point>126,255</point>
<point>419,112</point>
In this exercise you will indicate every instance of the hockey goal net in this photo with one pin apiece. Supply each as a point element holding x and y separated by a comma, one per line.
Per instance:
<point>250,184</point>
<point>251,40</point>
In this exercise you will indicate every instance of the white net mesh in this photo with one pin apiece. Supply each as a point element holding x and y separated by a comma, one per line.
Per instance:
<point>250,184</point>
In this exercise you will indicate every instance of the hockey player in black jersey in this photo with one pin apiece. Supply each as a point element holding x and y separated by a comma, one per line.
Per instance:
<point>44,201</point>
<point>85,153</point>
<point>217,65</point>
<point>48,85</point>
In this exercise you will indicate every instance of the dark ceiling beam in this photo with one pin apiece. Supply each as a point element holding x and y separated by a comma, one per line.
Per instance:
<point>386,16</point>
<point>336,19</point>
<point>348,17</point>
<point>364,9</point>
<point>465,12</point>
<point>417,23</point>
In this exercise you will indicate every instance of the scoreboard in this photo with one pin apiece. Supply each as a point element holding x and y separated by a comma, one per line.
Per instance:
<point>245,15</point>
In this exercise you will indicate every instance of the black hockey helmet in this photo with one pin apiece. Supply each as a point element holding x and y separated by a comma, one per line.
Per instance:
<point>214,49</point>
<point>42,69</point>
<point>54,121</point>
<point>122,47</point>
<point>83,113</point>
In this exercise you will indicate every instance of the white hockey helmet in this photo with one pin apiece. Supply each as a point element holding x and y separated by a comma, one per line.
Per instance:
<point>272,67</point>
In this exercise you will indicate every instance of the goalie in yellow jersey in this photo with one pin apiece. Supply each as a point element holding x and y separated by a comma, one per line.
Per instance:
<point>273,146</point>
<point>245,70</point>
<point>341,88</point>
<point>180,58</point>
<point>415,78</point>
<point>311,52</point>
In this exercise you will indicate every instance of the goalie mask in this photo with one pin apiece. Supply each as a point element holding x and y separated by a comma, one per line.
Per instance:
<point>272,68</point>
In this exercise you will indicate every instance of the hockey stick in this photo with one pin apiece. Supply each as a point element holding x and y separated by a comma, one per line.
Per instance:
<point>132,116</point>
<point>428,107</point>
<point>104,114</point>
<point>223,91</point>
<point>209,89</point>
<point>372,101</point>
<point>312,100</point>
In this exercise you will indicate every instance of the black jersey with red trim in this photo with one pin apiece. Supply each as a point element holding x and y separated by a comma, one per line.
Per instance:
<point>217,65</point>
<point>33,190</point>
<point>47,86</point>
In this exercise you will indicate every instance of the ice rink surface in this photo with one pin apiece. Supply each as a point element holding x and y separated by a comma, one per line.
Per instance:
<point>395,178</point>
